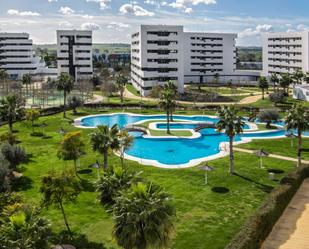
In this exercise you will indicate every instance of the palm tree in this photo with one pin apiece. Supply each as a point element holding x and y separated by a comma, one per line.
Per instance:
<point>26,79</point>
<point>170,85</point>
<point>121,82</point>
<point>298,118</point>
<point>285,82</point>
<point>125,142</point>
<point>32,115</point>
<point>274,79</point>
<point>231,124</point>
<point>65,83</point>
<point>263,84</point>
<point>58,188</point>
<point>4,76</point>
<point>103,139</point>
<point>11,109</point>
<point>168,103</point>
<point>297,77</point>
<point>306,77</point>
<point>143,217</point>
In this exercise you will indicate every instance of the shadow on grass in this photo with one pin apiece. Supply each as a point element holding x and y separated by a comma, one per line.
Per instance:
<point>220,190</point>
<point>30,158</point>
<point>79,114</point>
<point>80,241</point>
<point>276,171</point>
<point>84,171</point>
<point>263,187</point>
<point>22,184</point>
<point>87,186</point>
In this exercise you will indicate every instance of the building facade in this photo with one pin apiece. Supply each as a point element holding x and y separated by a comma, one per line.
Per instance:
<point>74,53</point>
<point>17,55</point>
<point>285,52</point>
<point>160,53</point>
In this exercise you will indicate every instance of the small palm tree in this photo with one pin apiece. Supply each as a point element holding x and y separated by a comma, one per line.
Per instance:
<point>168,103</point>
<point>274,79</point>
<point>285,82</point>
<point>263,84</point>
<point>173,88</point>
<point>297,77</point>
<point>298,118</point>
<point>125,142</point>
<point>231,124</point>
<point>103,139</point>
<point>143,217</point>
<point>4,77</point>
<point>65,83</point>
<point>26,79</point>
<point>121,82</point>
<point>11,109</point>
<point>32,115</point>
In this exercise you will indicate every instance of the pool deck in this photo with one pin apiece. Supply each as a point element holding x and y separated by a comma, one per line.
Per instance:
<point>291,230</point>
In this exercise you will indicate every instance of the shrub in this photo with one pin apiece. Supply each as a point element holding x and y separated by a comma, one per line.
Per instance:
<point>277,97</point>
<point>5,182</point>
<point>258,227</point>
<point>268,116</point>
<point>112,182</point>
<point>14,154</point>
<point>75,102</point>
<point>8,137</point>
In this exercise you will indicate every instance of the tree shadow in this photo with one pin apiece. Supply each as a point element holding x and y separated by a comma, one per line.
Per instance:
<point>220,190</point>
<point>84,171</point>
<point>79,114</point>
<point>263,187</point>
<point>87,186</point>
<point>30,158</point>
<point>22,184</point>
<point>80,241</point>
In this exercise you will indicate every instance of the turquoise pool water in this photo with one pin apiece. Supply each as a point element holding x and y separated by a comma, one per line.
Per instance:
<point>173,151</point>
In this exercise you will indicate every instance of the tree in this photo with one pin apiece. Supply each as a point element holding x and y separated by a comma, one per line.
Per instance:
<point>4,77</point>
<point>277,97</point>
<point>65,83</point>
<point>75,102</point>
<point>114,180</point>
<point>298,119</point>
<point>306,77</point>
<point>170,86</point>
<point>168,103</point>
<point>121,82</point>
<point>231,124</point>
<point>72,148</point>
<point>274,80</point>
<point>60,188</point>
<point>268,116</point>
<point>143,217</point>
<point>32,115</point>
<point>125,142</point>
<point>297,77</point>
<point>15,155</point>
<point>11,109</point>
<point>263,84</point>
<point>285,82</point>
<point>26,80</point>
<point>216,78</point>
<point>5,181</point>
<point>103,139</point>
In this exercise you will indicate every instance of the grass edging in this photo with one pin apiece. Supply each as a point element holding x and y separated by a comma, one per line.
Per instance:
<point>259,226</point>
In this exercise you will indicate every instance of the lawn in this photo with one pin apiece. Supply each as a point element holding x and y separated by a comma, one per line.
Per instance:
<point>205,219</point>
<point>279,147</point>
<point>132,90</point>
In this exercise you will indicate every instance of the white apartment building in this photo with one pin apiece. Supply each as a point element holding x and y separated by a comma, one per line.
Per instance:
<point>74,53</point>
<point>285,52</point>
<point>17,55</point>
<point>160,53</point>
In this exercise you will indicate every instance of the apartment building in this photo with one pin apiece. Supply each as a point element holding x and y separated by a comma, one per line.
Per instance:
<point>285,52</point>
<point>160,53</point>
<point>17,55</point>
<point>74,53</point>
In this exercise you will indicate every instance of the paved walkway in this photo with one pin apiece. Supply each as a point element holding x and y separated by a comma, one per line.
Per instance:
<point>244,101</point>
<point>273,156</point>
<point>292,229</point>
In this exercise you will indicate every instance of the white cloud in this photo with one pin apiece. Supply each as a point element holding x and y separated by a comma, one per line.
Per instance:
<point>119,26</point>
<point>103,3</point>
<point>188,10</point>
<point>87,17</point>
<point>135,10</point>
<point>255,31</point>
<point>66,10</point>
<point>182,4</point>
<point>66,24</point>
<point>14,12</point>
<point>90,26</point>
<point>50,1</point>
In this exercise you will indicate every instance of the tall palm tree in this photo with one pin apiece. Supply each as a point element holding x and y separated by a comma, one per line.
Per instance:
<point>170,85</point>
<point>168,103</point>
<point>274,79</point>
<point>103,139</point>
<point>285,82</point>
<point>65,83</point>
<point>298,118</point>
<point>143,217</point>
<point>232,125</point>
<point>125,142</point>
<point>26,79</point>
<point>263,84</point>
<point>297,77</point>
<point>121,82</point>
<point>4,76</point>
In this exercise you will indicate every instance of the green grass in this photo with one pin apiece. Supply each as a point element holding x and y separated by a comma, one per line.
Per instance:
<point>280,147</point>
<point>266,103</point>
<point>205,219</point>
<point>132,90</point>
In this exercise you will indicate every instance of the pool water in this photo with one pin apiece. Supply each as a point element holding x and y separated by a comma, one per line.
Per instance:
<point>173,151</point>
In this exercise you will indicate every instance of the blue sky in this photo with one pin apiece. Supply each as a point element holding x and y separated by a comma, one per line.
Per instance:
<point>114,20</point>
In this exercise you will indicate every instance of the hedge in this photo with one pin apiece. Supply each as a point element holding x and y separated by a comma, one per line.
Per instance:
<point>259,226</point>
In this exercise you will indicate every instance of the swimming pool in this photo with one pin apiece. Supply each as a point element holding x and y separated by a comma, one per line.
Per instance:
<point>175,152</point>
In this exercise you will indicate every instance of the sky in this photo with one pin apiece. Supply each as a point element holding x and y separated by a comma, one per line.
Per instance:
<point>112,21</point>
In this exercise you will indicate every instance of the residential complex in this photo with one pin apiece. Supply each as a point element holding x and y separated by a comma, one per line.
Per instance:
<point>160,53</point>
<point>285,52</point>
<point>74,53</point>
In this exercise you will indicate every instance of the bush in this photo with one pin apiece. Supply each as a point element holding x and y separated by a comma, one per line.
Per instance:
<point>112,182</point>
<point>277,97</point>
<point>15,155</point>
<point>258,227</point>
<point>75,102</point>
<point>5,181</point>
<point>268,116</point>
<point>8,137</point>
